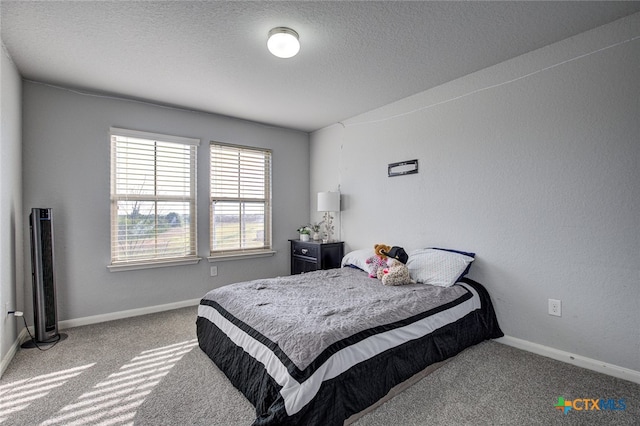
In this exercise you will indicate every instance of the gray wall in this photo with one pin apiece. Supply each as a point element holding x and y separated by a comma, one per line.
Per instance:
<point>11,260</point>
<point>534,164</point>
<point>66,167</point>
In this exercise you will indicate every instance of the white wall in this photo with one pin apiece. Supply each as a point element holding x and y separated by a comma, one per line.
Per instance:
<point>66,167</point>
<point>11,245</point>
<point>534,164</point>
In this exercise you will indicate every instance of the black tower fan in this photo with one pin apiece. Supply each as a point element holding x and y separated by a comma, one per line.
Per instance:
<point>43,277</point>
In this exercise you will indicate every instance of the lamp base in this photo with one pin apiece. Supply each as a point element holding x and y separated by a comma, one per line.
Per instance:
<point>328,227</point>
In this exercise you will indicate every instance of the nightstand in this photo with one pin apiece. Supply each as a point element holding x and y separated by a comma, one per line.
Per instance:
<point>307,256</point>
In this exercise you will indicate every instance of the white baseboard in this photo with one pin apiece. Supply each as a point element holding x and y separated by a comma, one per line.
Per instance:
<point>577,360</point>
<point>549,352</point>
<point>22,337</point>
<point>95,319</point>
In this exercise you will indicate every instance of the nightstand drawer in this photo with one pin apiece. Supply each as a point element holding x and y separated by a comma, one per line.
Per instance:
<point>306,250</point>
<point>307,256</point>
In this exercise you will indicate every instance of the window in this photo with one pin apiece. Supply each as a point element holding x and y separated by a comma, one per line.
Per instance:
<point>153,199</point>
<point>240,200</point>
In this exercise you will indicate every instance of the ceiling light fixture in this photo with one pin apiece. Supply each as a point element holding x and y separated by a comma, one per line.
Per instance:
<point>283,42</point>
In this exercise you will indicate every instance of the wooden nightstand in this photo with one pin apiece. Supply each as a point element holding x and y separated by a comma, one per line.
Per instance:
<point>307,256</point>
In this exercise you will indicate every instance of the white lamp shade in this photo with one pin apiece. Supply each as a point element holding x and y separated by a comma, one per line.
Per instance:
<point>328,201</point>
<point>283,42</point>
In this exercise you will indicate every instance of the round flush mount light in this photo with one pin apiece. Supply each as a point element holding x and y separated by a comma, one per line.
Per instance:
<point>283,42</point>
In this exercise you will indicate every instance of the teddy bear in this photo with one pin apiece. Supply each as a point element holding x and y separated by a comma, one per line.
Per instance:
<point>379,260</point>
<point>396,273</point>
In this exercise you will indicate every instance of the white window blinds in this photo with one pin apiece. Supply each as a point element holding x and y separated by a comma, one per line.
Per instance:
<point>153,197</point>
<point>240,200</point>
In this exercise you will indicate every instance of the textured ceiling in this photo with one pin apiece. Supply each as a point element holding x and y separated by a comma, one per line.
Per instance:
<point>211,55</point>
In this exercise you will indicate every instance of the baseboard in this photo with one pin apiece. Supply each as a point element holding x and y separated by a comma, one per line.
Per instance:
<point>95,319</point>
<point>577,360</point>
<point>22,337</point>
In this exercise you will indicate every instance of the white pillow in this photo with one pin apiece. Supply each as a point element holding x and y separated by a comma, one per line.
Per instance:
<point>437,267</point>
<point>358,259</point>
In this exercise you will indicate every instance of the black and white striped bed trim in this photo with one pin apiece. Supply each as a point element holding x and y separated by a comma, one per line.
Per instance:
<point>296,394</point>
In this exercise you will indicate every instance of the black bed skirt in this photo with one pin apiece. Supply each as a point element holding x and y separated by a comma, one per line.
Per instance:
<point>360,386</point>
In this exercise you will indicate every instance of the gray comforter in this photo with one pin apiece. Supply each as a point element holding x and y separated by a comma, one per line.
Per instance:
<point>301,314</point>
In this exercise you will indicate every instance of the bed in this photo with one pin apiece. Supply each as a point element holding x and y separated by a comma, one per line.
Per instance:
<point>321,347</point>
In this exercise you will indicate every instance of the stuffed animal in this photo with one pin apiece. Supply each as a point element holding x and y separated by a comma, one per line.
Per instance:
<point>379,261</point>
<point>397,253</point>
<point>376,263</point>
<point>396,273</point>
<point>381,250</point>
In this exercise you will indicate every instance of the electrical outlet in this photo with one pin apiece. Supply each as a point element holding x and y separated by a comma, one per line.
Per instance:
<point>555,307</point>
<point>214,271</point>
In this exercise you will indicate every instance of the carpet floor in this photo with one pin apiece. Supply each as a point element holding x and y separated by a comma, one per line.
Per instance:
<point>148,370</point>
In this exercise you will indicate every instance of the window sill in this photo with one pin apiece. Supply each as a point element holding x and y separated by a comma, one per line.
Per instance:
<point>239,256</point>
<point>149,265</point>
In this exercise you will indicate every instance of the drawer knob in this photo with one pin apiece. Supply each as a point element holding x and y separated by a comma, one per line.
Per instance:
<point>304,251</point>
